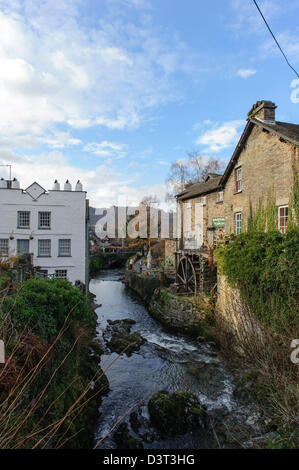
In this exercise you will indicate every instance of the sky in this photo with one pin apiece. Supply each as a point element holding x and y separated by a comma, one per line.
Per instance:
<point>111,92</point>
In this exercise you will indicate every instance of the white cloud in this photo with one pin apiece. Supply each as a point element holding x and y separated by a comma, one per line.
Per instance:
<point>221,137</point>
<point>105,186</point>
<point>55,68</point>
<point>245,73</point>
<point>289,43</point>
<point>106,149</point>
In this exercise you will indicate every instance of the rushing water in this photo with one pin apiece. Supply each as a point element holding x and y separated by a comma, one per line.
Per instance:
<point>166,361</point>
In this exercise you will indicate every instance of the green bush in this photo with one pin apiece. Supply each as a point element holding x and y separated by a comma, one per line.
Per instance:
<point>265,267</point>
<point>43,305</point>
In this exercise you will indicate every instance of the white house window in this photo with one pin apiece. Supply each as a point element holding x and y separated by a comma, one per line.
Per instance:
<point>22,247</point>
<point>283,214</point>
<point>61,273</point>
<point>3,246</point>
<point>204,200</point>
<point>220,196</point>
<point>238,220</point>
<point>44,248</point>
<point>238,180</point>
<point>189,205</point>
<point>23,219</point>
<point>44,220</point>
<point>64,247</point>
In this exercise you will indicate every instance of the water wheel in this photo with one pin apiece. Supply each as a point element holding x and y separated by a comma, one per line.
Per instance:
<point>186,276</point>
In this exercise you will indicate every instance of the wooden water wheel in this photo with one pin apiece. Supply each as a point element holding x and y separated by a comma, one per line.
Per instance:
<point>186,276</point>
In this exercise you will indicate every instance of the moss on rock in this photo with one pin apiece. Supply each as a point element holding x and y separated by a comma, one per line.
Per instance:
<point>176,413</point>
<point>125,440</point>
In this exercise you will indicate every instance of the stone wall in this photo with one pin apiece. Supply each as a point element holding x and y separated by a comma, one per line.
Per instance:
<point>142,284</point>
<point>233,314</point>
<point>176,313</point>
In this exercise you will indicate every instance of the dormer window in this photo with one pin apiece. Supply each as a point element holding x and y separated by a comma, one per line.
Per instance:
<point>238,179</point>
<point>220,196</point>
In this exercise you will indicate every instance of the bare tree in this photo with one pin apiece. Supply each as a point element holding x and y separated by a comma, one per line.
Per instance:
<point>150,201</point>
<point>202,165</point>
<point>179,176</point>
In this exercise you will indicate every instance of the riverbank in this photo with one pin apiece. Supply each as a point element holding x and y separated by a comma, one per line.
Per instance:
<point>51,385</point>
<point>199,317</point>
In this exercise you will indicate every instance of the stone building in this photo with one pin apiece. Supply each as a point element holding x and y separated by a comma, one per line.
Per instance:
<point>51,225</point>
<point>261,169</point>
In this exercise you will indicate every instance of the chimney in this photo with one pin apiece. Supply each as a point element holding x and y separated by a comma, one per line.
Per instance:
<point>67,186</point>
<point>263,111</point>
<point>56,186</point>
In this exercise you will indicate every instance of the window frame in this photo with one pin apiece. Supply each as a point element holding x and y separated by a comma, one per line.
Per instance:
<point>70,247</point>
<point>39,254</point>
<point>43,227</point>
<point>60,271</point>
<point>218,198</point>
<point>19,225</point>
<point>6,248</point>
<point>18,246</point>
<point>284,228</point>
<point>238,227</point>
<point>204,200</point>
<point>238,180</point>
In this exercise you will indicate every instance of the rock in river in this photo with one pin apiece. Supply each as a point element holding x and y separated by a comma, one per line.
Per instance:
<point>176,413</point>
<point>119,339</point>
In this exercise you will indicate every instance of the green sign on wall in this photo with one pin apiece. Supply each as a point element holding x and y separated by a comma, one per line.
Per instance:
<point>218,221</point>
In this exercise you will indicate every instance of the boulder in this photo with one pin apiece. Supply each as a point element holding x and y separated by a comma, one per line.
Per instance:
<point>176,413</point>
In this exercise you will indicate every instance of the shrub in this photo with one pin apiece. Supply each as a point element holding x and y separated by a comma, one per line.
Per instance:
<point>43,305</point>
<point>265,267</point>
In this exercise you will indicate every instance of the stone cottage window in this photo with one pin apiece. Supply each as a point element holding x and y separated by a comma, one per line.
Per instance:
<point>238,222</point>
<point>44,248</point>
<point>238,177</point>
<point>3,246</point>
<point>220,196</point>
<point>23,219</point>
<point>204,200</point>
<point>283,214</point>
<point>44,220</point>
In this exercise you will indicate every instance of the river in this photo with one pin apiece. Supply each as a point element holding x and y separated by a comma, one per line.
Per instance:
<point>166,361</point>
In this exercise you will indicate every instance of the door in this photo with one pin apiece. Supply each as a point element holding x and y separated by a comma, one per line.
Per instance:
<point>22,247</point>
<point>199,224</point>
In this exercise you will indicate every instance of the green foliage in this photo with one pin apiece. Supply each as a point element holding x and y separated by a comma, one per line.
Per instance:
<point>265,267</point>
<point>102,261</point>
<point>43,305</point>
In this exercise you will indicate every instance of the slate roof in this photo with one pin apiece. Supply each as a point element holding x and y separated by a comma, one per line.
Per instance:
<point>198,189</point>
<point>283,129</point>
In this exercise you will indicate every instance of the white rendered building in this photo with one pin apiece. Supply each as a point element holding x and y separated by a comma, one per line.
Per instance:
<point>51,225</point>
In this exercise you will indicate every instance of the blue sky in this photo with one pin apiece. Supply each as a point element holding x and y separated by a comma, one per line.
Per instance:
<point>113,91</point>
